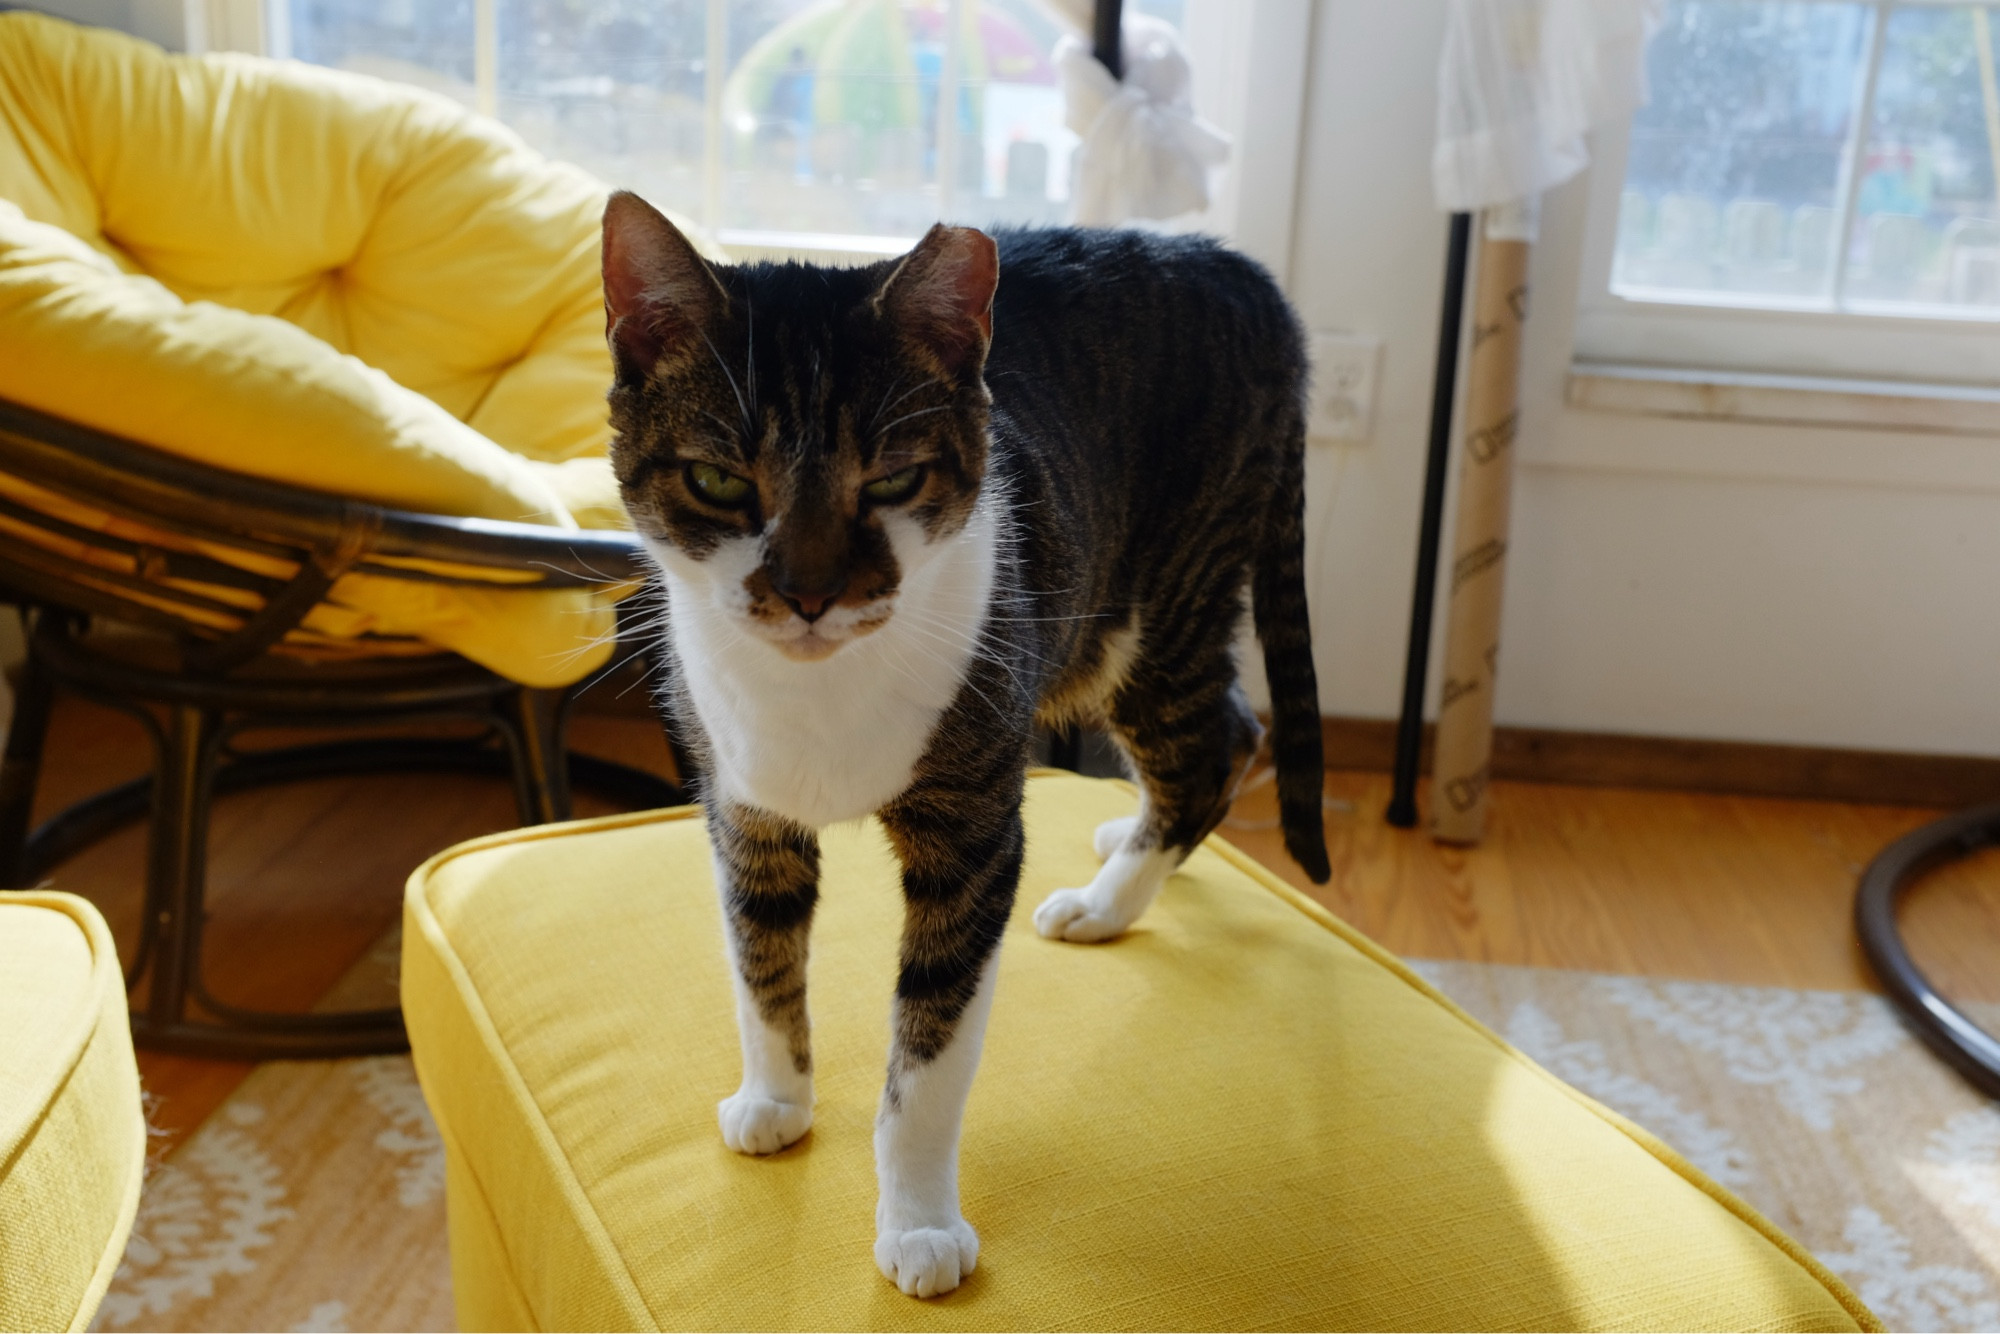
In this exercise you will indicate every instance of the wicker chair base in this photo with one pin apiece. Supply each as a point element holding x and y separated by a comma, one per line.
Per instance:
<point>519,735</point>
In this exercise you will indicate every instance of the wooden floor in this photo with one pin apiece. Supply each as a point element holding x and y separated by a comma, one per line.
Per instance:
<point>1748,890</point>
<point>303,879</point>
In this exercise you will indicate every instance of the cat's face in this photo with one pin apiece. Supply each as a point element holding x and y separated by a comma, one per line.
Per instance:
<point>793,442</point>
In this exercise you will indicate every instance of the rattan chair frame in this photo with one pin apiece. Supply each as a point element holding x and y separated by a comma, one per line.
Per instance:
<point>226,681</point>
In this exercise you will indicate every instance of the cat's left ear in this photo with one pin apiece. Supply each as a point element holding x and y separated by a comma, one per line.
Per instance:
<point>658,290</point>
<point>941,295</point>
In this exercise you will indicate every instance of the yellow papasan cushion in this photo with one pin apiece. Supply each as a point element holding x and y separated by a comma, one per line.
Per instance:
<point>1242,1115</point>
<point>72,1135</point>
<point>316,278</point>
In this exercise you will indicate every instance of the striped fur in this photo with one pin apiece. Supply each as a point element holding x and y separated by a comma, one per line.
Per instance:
<point>955,510</point>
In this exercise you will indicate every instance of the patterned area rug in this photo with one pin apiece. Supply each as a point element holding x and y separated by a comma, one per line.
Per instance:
<point>314,1198</point>
<point>1815,1106</point>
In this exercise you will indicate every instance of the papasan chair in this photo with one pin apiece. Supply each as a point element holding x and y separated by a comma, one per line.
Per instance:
<point>301,426</point>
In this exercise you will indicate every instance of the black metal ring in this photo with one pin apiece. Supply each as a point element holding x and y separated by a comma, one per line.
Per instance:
<point>1960,1042</point>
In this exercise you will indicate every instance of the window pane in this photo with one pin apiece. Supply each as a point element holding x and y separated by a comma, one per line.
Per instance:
<point>425,42</point>
<point>1013,126</point>
<point>830,108</point>
<point>615,86</point>
<point>1013,115</point>
<point>1927,226</point>
<point>1732,182</point>
<point>832,116</point>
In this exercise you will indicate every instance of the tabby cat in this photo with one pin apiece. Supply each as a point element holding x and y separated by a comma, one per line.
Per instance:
<point>902,514</point>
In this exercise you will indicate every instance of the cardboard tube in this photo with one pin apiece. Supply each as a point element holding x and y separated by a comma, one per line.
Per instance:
<point>1479,547</point>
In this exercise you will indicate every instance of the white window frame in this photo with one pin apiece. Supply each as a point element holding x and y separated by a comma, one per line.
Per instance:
<point>1767,337</point>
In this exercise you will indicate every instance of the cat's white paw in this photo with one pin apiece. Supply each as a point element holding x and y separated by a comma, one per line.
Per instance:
<point>751,1124</point>
<point>1070,914</point>
<point>927,1261</point>
<point>1111,835</point>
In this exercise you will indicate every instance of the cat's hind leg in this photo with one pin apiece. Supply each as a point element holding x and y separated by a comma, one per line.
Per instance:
<point>767,872</point>
<point>1190,754</point>
<point>1113,834</point>
<point>1133,871</point>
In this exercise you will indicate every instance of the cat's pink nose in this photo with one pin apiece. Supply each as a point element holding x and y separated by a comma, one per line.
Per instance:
<point>812,594</point>
<point>811,606</point>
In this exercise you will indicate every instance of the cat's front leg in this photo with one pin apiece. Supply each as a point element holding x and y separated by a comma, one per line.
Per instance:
<point>767,872</point>
<point>961,857</point>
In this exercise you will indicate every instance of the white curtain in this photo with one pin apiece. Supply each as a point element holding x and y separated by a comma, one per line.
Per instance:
<point>1145,153</point>
<point>1520,85</point>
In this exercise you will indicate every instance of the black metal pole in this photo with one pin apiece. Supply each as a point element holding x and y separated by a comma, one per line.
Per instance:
<point>1066,746</point>
<point>1410,727</point>
<point>1104,42</point>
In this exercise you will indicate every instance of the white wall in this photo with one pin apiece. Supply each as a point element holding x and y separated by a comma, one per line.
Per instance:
<point>1667,577</point>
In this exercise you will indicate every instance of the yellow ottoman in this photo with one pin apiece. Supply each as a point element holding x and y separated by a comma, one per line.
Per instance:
<point>1242,1115</point>
<point>72,1135</point>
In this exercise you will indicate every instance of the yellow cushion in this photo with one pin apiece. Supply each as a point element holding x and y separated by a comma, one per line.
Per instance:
<point>1242,1115</point>
<point>317,278</point>
<point>72,1135</point>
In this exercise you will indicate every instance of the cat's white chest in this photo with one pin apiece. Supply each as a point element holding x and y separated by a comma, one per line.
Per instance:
<point>833,740</point>
<point>817,742</point>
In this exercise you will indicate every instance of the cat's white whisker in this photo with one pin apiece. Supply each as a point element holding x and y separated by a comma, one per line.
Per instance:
<point>910,416</point>
<point>965,683</point>
<point>749,422</point>
<point>883,405</point>
<point>750,359</point>
<point>976,640</point>
<point>888,406</point>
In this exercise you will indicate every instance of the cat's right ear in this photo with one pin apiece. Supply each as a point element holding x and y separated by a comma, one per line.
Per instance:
<point>941,295</point>
<point>658,290</point>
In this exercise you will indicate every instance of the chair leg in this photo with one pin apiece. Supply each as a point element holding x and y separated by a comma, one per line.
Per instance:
<point>21,767</point>
<point>176,877</point>
<point>541,764</point>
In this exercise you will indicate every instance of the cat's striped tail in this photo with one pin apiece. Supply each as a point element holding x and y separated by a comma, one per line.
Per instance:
<point>1278,605</point>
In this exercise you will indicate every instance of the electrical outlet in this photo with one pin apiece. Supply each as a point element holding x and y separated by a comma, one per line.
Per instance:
<point>1343,388</point>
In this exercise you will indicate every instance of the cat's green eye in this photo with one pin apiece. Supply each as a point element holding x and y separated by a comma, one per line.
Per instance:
<point>718,487</point>
<point>895,487</point>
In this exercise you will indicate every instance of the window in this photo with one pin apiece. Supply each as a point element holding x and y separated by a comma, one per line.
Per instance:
<point>802,124</point>
<point>1813,187</point>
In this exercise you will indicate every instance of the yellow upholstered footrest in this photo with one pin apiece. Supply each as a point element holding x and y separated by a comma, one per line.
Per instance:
<point>1242,1115</point>
<point>72,1134</point>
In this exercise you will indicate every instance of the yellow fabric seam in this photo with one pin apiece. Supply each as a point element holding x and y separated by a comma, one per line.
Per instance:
<point>74,1044</point>
<point>102,949</point>
<point>581,1204</point>
<point>1638,1134</point>
<point>121,1230</point>
<point>486,1211</point>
